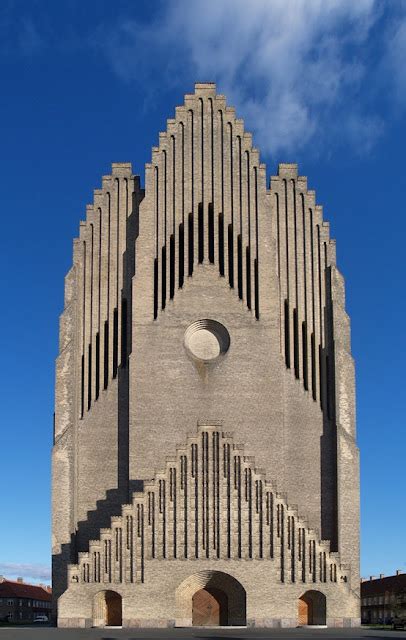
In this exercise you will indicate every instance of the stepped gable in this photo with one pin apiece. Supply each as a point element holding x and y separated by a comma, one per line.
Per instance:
<point>306,256</point>
<point>210,502</point>
<point>207,186</point>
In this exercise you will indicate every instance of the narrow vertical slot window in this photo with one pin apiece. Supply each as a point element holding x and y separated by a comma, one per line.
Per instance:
<point>190,244</point>
<point>89,377</point>
<point>304,354</point>
<point>163,277</point>
<point>155,288</point>
<point>230,256</point>
<point>287,335</point>
<point>82,387</point>
<point>313,344</point>
<point>256,289</point>
<point>296,343</point>
<point>123,332</point>
<point>239,258</point>
<point>211,233</point>
<point>287,237</point>
<point>97,365</point>
<point>248,274</point>
<point>115,342</point>
<point>221,244</point>
<point>181,254</point>
<point>201,232</point>
<point>282,532</point>
<point>328,388</point>
<point>171,266</point>
<point>106,354</point>
<point>321,376</point>
<point>293,549</point>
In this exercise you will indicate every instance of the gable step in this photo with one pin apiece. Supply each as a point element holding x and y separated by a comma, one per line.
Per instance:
<point>208,486</point>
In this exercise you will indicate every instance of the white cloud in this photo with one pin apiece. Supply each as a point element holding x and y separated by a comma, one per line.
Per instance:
<point>27,571</point>
<point>298,71</point>
<point>396,56</point>
<point>304,74</point>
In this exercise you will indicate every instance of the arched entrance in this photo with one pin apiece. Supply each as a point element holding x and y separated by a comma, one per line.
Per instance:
<point>210,598</point>
<point>107,609</point>
<point>312,608</point>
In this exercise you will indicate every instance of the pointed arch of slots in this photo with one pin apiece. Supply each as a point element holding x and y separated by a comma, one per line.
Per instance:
<point>206,192</point>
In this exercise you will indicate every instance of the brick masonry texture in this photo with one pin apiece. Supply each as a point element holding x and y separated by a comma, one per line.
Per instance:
<point>174,472</point>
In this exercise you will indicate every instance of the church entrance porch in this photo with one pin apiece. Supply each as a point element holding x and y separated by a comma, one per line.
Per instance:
<point>107,609</point>
<point>209,599</point>
<point>312,609</point>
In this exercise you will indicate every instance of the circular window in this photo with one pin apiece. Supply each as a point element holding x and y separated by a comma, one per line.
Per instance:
<point>206,340</point>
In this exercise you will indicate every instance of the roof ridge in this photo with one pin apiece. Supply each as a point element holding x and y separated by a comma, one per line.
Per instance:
<point>26,584</point>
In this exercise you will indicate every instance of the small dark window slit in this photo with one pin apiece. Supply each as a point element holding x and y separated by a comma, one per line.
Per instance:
<point>256,289</point>
<point>181,255</point>
<point>221,244</point>
<point>313,345</point>
<point>82,387</point>
<point>172,266</point>
<point>190,244</point>
<point>201,232</point>
<point>106,354</point>
<point>163,278</point>
<point>155,288</point>
<point>248,275</point>
<point>328,388</point>
<point>239,257</point>
<point>304,354</point>
<point>124,332</point>
<point>115,342</point>
<point>97,365</point>
<point>287,335</point>
<point>321,376</point>
<point>296,343</point>
<point>211,233</point>
<point>230,256</point>
<point>89,378</point>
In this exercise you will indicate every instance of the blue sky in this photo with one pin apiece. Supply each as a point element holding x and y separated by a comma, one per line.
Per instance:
<point>84,84</point>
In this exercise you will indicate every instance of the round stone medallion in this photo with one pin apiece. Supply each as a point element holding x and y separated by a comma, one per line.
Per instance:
<point>206,340</point>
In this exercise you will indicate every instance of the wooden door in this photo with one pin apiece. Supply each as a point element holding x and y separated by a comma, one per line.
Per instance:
<point>114,614</point>
<point>206,609</point>
<point>305,611</point>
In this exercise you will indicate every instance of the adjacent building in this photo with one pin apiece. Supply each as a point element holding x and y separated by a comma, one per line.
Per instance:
<point>205,467</point>
<point>383,598</point>
<point>22,602</point>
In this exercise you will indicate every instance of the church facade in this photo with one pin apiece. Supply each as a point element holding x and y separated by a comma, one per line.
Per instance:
<point>205,468</point>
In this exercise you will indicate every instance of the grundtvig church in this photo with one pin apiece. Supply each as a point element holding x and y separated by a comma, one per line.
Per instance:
<point>205,469</point>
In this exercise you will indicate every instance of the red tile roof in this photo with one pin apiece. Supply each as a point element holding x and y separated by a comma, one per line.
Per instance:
<point>11,589</point>
<point>380,585</point>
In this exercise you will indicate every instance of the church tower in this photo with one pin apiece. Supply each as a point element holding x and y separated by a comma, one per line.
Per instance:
<point>205,469</point>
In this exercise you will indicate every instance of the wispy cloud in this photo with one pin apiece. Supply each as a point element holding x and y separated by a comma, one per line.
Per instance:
<point>395,56</point>
<point>19,32</point>
<point>304,74</point>
<point>29,38</point>
<point>27,571</point>
<point>299,72</point>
